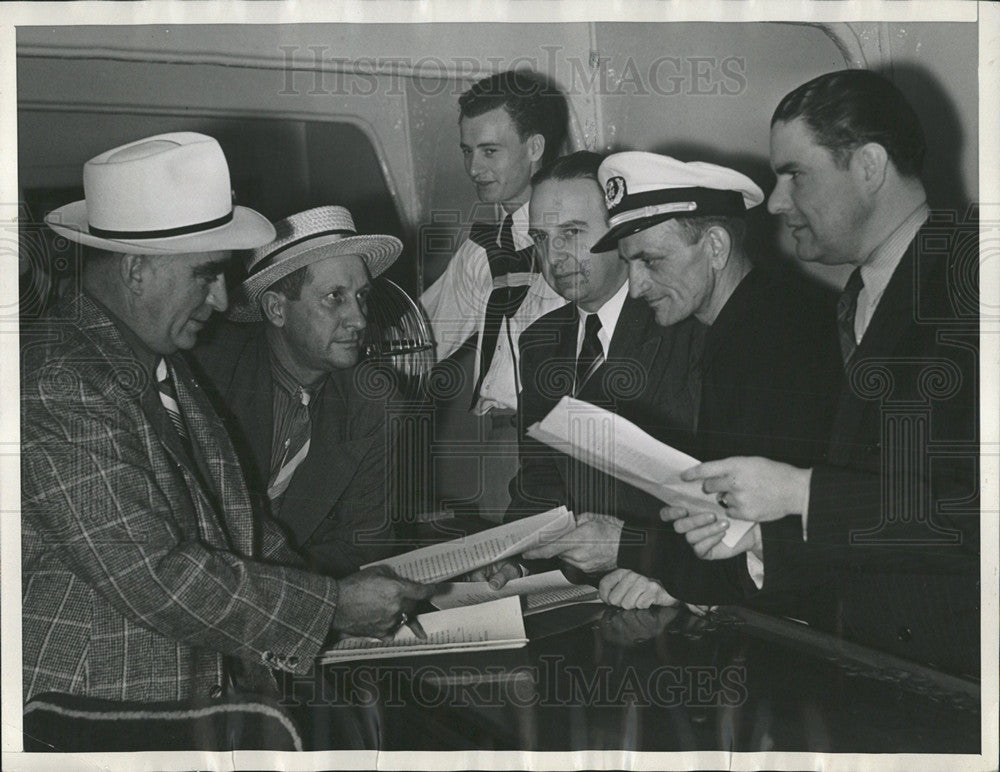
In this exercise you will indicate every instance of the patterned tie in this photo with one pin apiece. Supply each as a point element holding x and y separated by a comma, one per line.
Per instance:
<point>296,448</point>
<point>847,308</point>
<point>503,301</point>
<point>591,352</point>
<point>168,397</point>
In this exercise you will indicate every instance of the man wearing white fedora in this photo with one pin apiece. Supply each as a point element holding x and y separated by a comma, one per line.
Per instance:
<point>146,574</point>
<point>313,440</point>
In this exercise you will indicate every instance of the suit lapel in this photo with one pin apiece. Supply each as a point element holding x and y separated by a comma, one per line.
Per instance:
<point>218,459</point>
<point>634,348</point>
<point>331,464</point>
<point>251,398</point>
<point>893,316</point>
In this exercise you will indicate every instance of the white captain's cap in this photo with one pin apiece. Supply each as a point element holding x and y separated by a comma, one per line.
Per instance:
<point>644,189</point>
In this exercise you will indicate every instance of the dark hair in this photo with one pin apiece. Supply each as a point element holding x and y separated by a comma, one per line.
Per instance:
<point>581,165</point>
<point>847,109</point>
<point>291,285</point>
<point>693,228</point>
<point>534,106</point>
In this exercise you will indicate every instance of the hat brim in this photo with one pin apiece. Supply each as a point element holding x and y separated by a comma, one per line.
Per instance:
<point>378,252</point>
<point>610,240</point>
<point>247,229</point>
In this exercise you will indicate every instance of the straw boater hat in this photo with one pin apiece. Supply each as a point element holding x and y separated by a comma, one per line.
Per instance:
<point>303,239</point>
<point>644,189</point>
<point>167,194</point>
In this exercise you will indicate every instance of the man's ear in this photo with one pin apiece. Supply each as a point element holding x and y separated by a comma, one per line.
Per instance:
<point>536,148</point>
<point>272,306</point>
<point>132,270</point>
<point>720,245</point>
<point>871,161</point>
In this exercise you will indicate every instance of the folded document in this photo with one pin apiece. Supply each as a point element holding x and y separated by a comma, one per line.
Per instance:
<point>439,562</point>
<point>616,446</point>
<point>541,592</point>
<point>494,625</point>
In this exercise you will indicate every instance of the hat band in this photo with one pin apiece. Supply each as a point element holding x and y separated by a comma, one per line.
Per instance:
<point>165,233</point>
<point>708,201</point>
<point>272,258</point>
<point>652,211</point>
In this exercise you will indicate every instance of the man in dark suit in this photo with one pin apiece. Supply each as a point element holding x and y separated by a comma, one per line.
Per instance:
<point>147,575</point>
<point>605,348</point>
<point>890,519</point>
<point>312,436</point>
<point>760,384</point>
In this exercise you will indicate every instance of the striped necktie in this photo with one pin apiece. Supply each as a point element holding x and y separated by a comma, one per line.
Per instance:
<point>847,309</point>
<point>591,352</point>
<point>168,397</point>
<point>296,448</point>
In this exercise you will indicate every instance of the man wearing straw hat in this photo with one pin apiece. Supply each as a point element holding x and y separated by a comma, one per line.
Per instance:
<point>146,575</point>
<point>312,438</point>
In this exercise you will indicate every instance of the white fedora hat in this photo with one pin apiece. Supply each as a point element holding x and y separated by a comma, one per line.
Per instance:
<point>303,239</point>
<point>168,194</point>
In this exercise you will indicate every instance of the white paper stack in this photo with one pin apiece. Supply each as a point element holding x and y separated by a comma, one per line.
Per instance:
<point>541,592</point>
<point>439,562</point>
<point>616,446</point>
<point>494,625</point>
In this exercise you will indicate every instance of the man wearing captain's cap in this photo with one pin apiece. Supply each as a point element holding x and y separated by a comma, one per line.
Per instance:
<point>768,371</point>
<point>146,574</point>
<point>312,443</point>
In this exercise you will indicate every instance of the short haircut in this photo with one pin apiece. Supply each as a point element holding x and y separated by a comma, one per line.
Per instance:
<point>847,109</point>
<point>291,285</point>
<point>581,165</point>
<point>693,228</point>
<point>534,106</point>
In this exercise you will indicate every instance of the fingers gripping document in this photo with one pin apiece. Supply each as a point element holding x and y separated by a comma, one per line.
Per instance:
<point>616,446</point>
<point>439,562</point>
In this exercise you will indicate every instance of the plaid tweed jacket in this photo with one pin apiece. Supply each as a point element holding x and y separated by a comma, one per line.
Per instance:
<point>138,573</point>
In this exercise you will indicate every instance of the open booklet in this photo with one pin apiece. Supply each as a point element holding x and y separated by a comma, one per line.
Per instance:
<point>439,562</point>
<point>541,592</point>
<point>494,625</point>
<point>616,446</point>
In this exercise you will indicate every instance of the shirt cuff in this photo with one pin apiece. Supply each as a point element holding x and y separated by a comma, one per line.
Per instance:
<point>804,509</point>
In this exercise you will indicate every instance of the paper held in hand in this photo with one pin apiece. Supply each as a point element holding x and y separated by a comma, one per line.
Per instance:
<point>460,556</point>
<point>541,592</point>
<point>616,446</point>
<point>494,625</point>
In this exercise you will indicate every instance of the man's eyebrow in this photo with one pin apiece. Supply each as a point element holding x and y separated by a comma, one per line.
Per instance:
<point>213,268</point>
<point>785,168</point>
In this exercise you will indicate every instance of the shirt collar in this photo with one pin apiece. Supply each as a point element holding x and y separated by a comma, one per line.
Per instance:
<point>519,226</point>
<point>608,314</point>
<point>146,356</point>
<point>877,269</point>
<point>289,385</point>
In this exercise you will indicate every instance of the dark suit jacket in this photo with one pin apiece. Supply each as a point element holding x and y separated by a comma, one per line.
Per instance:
<point>893,522</point>
<point>645,379</point>
<point>336,504</point>
<point>140,568</point>
<point>770,373</point>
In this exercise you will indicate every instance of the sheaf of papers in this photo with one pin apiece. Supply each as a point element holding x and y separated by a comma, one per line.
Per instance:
<point>439,562</point>
<point>616,446</point>
<point>541,592</point>
<point>494,625</point>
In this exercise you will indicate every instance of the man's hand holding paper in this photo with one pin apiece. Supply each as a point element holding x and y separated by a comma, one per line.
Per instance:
<point>591,547</point>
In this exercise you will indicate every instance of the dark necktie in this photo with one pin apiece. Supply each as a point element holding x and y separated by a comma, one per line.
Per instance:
<point>168,397</point>
<point>847,309</point>
<point>591,352</point>
<point>503,301</point>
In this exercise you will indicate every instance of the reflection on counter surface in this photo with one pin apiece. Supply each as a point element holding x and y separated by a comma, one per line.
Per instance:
<point>660,679</point>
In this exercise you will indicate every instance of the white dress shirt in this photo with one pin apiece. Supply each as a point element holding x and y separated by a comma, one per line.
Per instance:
<point>456,307</point>
<point>608,314</point>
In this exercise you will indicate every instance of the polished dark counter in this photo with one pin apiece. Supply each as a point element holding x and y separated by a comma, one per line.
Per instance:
<point>662,679</point>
